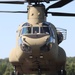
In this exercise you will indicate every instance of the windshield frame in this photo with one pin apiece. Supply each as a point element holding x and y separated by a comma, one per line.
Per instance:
<point>39,32</point>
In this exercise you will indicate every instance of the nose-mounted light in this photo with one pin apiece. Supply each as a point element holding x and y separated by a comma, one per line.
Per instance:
<point>48,45</point>
<point>24,47</point>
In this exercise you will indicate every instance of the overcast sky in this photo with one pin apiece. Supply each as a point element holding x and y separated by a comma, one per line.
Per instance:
<point>10,22</point>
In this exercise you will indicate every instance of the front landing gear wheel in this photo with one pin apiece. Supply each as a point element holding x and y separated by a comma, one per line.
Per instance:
<point>59,72</point>
<point>12,73</point>
<point>15,73</point>
<point>62,72</point>
<point>39,72</point>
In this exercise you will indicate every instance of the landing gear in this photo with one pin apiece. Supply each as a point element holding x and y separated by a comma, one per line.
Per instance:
<point>12,73</point>
<point>15,72</point>
<point>38,66</point>
<point>62,72</point>
<point>39,70</point>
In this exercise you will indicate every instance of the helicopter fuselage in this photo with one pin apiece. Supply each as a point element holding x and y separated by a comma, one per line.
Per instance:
<point>37,48</point>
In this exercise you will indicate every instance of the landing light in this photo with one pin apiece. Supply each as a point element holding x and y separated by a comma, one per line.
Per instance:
<point>41,56</point>
<point>30,56</point>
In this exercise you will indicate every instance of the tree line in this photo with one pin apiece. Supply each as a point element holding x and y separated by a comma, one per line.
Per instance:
<point>70,65</point>
<point>6,67</point>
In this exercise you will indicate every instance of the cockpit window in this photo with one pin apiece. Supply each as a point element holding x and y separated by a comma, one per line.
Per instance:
<point>26,30</point>
<point>35,29</point>
<point>45,30</point>
<point>39,29</point>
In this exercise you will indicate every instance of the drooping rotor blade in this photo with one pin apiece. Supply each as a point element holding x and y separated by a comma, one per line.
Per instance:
<point>62,14</point>
<point>47,1</point>
<point>22,2</point>
<point>59,4</point>
<point>13,11</point>
<point>12,2</point>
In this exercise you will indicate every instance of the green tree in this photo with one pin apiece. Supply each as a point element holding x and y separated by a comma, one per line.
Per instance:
<point>2,68</point>
<point>9,69</point>
<point>70,67</point>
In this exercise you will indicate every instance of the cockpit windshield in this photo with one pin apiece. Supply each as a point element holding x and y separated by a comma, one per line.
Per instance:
<point>35,29</point>
<point>26,30</point>
<point>32,30</point>
<point>45,30</point>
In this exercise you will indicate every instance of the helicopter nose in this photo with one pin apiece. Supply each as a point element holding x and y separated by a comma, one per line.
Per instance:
<point>43,43</point>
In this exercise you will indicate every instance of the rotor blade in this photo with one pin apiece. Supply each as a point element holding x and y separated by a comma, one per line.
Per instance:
<point>47,1</point>
<point>59,4</point>
<point>13,11</point>
<point>62,14</point>
<point>12,2</point>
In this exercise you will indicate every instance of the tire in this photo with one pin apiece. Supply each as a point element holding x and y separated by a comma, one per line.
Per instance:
<point>59,72</point>
<point>17,73</point>
<point>12,73</point>
<point>62,72</point>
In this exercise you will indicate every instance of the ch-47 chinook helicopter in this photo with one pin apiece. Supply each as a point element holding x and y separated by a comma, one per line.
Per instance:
<point>37,48</point>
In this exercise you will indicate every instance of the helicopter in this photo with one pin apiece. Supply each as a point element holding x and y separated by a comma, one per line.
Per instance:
<point>37,48</point>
